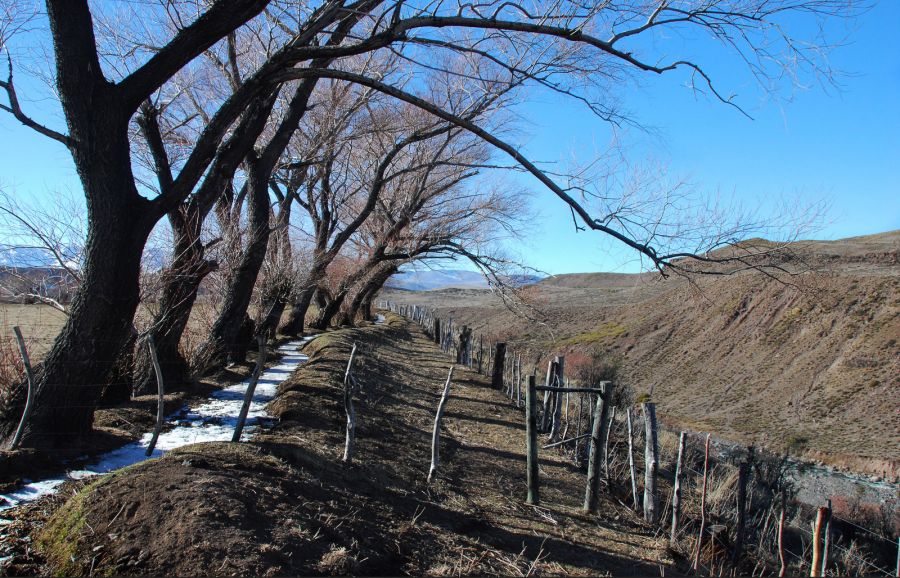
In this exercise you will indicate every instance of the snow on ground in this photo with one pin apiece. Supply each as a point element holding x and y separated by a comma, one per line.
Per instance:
<point>211,421</point>
<point>379,319</point>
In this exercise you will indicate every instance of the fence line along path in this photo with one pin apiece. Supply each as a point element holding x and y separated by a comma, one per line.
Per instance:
<point>483,463</point>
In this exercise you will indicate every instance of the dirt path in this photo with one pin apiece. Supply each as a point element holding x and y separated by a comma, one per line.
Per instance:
<point>286,504</point>
<point>484,472</point>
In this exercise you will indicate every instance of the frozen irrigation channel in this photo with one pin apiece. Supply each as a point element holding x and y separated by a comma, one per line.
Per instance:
<point>211,421</point>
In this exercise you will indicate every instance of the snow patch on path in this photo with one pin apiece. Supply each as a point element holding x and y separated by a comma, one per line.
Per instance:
<point>212,421</point>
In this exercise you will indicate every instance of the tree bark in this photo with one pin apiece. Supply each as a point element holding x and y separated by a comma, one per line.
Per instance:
<point>70,382</point>
<point>181,282</point>
<point>225,344</point>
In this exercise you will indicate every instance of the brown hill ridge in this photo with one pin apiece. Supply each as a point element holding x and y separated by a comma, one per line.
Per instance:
<point>812,365</point>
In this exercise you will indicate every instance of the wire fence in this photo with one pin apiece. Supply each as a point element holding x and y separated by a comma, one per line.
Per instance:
<point>480,354</point>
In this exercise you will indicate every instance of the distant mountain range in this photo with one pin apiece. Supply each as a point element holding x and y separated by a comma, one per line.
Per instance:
<point>435,279</point>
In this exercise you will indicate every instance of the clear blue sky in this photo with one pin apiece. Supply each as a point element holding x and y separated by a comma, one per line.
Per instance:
<point>840,145</point>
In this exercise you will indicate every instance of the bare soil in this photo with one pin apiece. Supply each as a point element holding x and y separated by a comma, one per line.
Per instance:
<point>285,504</point>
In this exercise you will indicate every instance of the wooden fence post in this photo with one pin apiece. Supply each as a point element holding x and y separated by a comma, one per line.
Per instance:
<point>251,388</point>
<point>815,568</point>
<point>634,488</point>
<point>558,401</point>
<point>651,464</point>
<point>531,449</point>
<point>781,519</point>
<point>601,408</point>
<point>29,379</point>
<point>462,348</point>
<point>548,395</point>
<point>436,434</point>
<point>480,354</point>
<point>499,359</point>
<point>161,396</point>
<point>826,549</point>
<point>436,330</point>
<point>350,439</point>
<point>696,565</point>
<point>743,476</point>
<point>518,381</point>
<point>897,571</point>
<point>676,491</point>
<point>612,421</point>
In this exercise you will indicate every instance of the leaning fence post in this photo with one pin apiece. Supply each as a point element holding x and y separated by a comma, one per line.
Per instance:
<point>436,434</point>
<point>651,463</point>
<point>595,455</point>
<point>676,492</point>
<point>350,439</point>
<point>531,443</point>
<point>702,505</point>
<point>161,392</point>
<point>251,388</point>
<point>29,400</point>
<point>499,359</point>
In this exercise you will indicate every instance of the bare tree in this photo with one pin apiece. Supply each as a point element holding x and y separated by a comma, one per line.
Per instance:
<point>589,47</point>
<point>42,250</point>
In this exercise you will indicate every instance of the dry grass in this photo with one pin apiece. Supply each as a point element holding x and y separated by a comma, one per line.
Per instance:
<point>748,358</point>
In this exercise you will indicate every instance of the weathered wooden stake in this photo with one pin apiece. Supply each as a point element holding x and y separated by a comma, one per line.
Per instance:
<point>29,379</point>
<point>517,379</point>
<point>651,464</point>
<point>161,396</point>
<point>251,388</point>
<point>676,492</point>
<point>436,434</point>
<point>815,568</point>
<point>548,396</point>
<point>350,439</point>
<point>531,449</point>
<point>826,549</point>
<point>781,518</point>
<point>612,421</point>
<point>743,476</point>
<point>480,354</point>
<point>595,455</point>
<point>897,571</point>
<point>578,426</point>
<point>558,397</point>
<point>436,330</point>
<point>499,358</point>
<point>702,506</point>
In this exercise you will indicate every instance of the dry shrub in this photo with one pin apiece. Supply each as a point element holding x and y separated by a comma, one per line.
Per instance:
<point>338,562</point>
<point>854,561</point>
<point>199,326</point>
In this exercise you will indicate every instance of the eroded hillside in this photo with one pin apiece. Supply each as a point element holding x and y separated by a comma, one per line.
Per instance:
<point>812,364</point>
